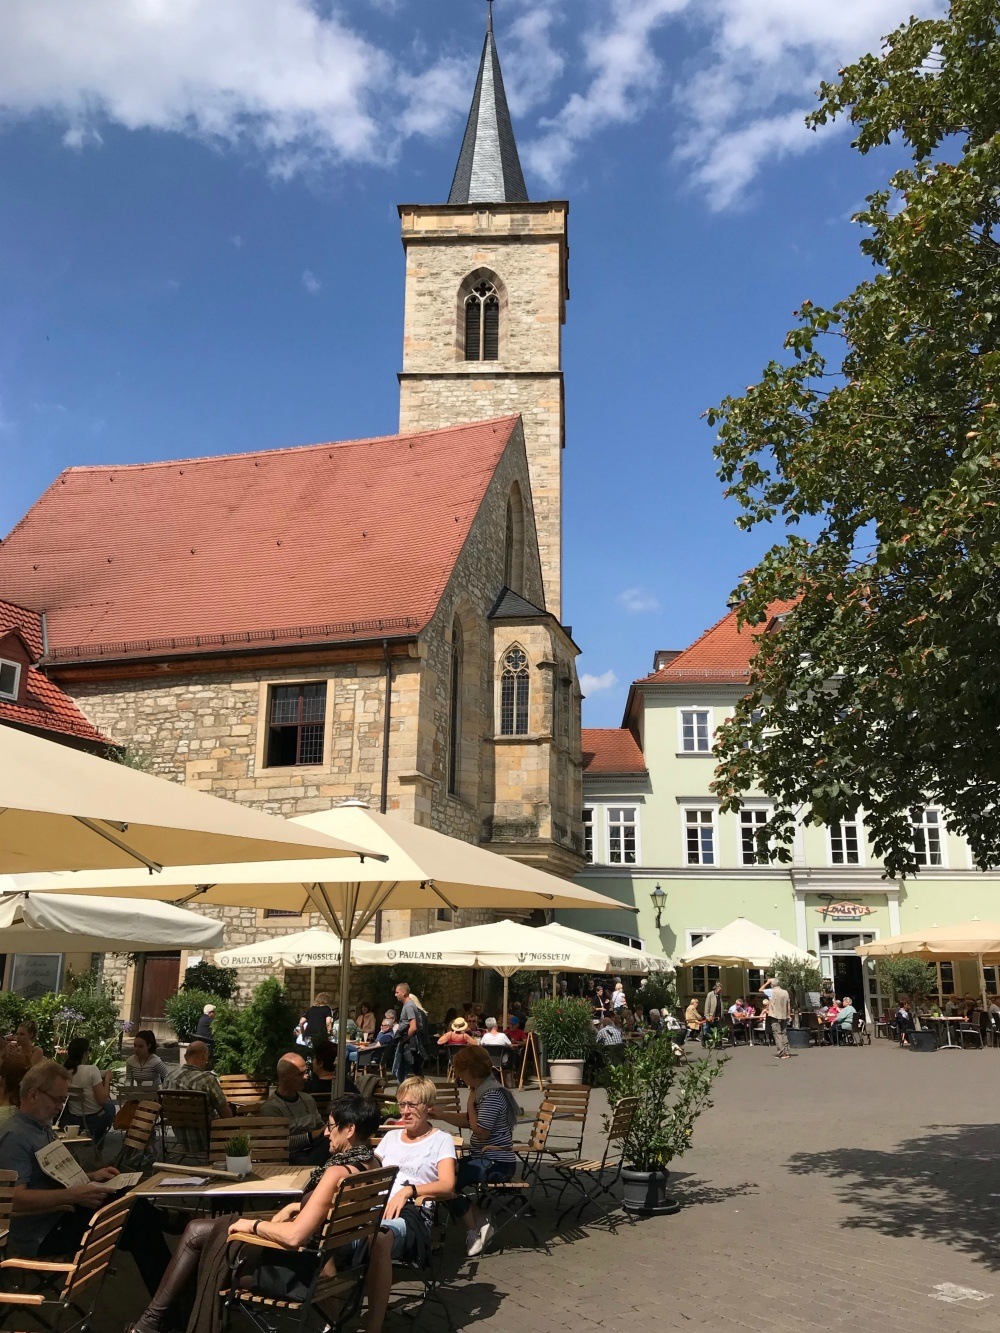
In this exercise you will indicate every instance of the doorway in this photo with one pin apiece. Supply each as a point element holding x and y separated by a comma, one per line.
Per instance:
<point>161,976</point>
<point>846,973</point>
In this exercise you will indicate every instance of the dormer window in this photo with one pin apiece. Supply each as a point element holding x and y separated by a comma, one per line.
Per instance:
<point>10,679</point>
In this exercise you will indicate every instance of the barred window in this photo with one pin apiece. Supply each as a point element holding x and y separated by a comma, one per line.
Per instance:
<point>296,720</point>
<point>482,323</point>
<point>514,694</point>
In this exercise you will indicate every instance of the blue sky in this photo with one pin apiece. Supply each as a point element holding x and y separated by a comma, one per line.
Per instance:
<point>199,246</point>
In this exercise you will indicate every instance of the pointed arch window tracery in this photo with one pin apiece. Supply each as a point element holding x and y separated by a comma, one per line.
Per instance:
<point>482,323</point>
<point>514,692</point>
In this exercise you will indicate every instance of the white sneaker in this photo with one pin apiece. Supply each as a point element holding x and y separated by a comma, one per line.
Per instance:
<point>478,1238</point>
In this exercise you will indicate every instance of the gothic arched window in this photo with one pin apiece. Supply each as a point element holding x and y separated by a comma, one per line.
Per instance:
<point>455,711</point>
<point>513,542</point>
<point>514,693</point>
<point>482,323</point>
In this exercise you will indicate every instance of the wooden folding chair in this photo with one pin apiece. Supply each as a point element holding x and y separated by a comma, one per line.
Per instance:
<point>591,1175</point>
<point>135,1145</point>
<point>355,1216</point>
<point>447,1098</point>
<point>71,1306</point>
<point>8,1179</point>
<point>268,1137</point>
<point>188,1115</point>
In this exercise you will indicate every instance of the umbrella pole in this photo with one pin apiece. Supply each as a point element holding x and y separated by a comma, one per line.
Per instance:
<point>505,984</point>
<point>350,916</point>
<point>312,986</point>
<point>982,979</point>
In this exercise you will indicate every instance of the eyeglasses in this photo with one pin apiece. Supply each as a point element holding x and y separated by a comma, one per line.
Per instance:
<point>409,1106</point>
<point>56,1101</point>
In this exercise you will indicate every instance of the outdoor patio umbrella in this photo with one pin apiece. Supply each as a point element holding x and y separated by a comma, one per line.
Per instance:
<point>622,959</point>
<point>967,939</point>
<point>742,944</point>
<point>33,923</point>
<point>306,948</point>
<point>505,947</point>
<point>61,809</point>
<point>421,869</point>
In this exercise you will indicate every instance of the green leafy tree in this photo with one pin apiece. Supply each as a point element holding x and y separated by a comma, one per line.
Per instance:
<point>13,1010</point>
<point>267,1025</point>
<point>900,974</point>
<point>221,981</point>
<point>797,976</point>
<point>565,1028</point>
<point>183,1009</point>
<point>659,991</point>
<point>878,448</point>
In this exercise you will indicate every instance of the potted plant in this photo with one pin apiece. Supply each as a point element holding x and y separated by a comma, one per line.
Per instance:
<point>565,1027</point>
<point>238,1154</point>
<point>672,1095</point>
<point>904,974</point>
<point>798,977</point>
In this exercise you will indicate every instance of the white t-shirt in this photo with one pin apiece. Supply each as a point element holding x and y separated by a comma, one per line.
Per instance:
<point>416,1163</point>
<point>81,1095</point>
<point>495,1039</point>
<point>618,999</point>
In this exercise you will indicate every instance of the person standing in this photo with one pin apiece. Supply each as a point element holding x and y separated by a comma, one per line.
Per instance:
<point>779,1011</point>
<point>412,1033</point>
<point>203,1032</point>
<point>713,1011</point>
<point>319,1019</point>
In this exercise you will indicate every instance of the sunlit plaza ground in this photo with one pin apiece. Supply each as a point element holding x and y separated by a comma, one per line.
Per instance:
<point>842,1189</point>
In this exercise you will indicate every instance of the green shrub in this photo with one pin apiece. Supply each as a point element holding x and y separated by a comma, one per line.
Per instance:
<point>220,981</point>
<point>659,991</point>
<point>797,976</point>
<point>98,1004</point>
<point>183,1009</point>
<point>228,1040</point>
<point>13,1010</point>
<point>252,1040</point>
<point>565,1028</point>
<point>901,974</point>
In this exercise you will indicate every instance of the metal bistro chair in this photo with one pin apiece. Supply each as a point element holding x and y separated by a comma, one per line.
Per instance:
<point>738,1032</point>
<point>355,1216</point>
<point>268,1137</point>
<point>76,1285</point>
<point>188,1115</point>
<point>975,1030</point>
<point>596,1178</point>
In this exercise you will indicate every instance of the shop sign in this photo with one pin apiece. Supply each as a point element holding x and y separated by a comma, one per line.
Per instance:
<point>845,911</point>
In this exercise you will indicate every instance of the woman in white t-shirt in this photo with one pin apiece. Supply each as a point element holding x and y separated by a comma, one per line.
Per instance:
<point>424,1158</point>
<point>89,1104</point>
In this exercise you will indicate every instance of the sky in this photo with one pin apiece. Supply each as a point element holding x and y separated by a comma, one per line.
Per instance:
<point>199,244</point>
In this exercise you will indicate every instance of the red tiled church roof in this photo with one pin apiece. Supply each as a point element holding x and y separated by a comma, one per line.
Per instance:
<point>611,750</point>
<point>312,544</point>
<point>720,656</point>
<point>45,707</point>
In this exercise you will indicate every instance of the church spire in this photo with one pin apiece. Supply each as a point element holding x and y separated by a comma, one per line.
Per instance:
<point>489,170</point>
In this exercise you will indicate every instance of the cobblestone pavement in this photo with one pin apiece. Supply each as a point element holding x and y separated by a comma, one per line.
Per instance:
<point>842,1189</point>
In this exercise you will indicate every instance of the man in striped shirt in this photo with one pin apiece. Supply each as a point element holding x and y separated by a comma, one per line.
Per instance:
<point>491,1114</point>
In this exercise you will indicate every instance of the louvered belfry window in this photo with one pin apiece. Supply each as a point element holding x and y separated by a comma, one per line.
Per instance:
<point>514,694</point>
<point>296,721</point>
<point>482,323</point>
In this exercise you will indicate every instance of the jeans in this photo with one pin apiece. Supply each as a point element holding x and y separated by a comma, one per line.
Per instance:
<point>97,1124</point>
<point>477,1171</point>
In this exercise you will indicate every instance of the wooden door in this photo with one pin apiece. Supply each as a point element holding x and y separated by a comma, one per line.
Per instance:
<point>160,978</point>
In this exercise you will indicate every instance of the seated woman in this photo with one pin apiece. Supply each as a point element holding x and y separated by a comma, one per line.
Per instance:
<point>324,1070</point>
<point>205,1243</point>
<point>693,1018</point>
<point>90,1105</point>
<point>144,1068</point>
<point>424,1158</point>
<point>457,1035</point>
<point>491,1114</point>
<point>904,1021</point>
<point>27,1041</point>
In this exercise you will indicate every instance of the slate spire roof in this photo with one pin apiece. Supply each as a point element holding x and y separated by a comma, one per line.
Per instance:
<point>489,169</point>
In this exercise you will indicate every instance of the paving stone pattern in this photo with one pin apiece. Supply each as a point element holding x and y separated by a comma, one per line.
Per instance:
<point>839,1190</point>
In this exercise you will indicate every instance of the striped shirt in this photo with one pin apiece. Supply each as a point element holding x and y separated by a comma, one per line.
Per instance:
<point>496,1112</point>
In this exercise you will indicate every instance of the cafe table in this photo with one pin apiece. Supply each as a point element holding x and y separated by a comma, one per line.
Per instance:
<point>947,1020</point>
<point>272,1180</point>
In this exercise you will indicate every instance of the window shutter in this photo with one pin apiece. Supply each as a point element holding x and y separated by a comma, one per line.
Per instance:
<point>491,329</point>
<point>472,309</point>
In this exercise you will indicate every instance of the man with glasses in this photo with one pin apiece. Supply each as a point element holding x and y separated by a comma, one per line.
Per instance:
<point>41,1225</point>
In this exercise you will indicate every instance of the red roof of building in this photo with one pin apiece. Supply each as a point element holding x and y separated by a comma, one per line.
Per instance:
<point>326,542</point>
<point>611,750</point>
<point>45,707</point>
<point>720,656</point>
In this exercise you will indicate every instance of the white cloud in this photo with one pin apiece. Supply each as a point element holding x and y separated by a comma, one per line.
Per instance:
<point>310,282</point>
<point>237,241</point>
<point>594,684</point>
<point>637,601</point>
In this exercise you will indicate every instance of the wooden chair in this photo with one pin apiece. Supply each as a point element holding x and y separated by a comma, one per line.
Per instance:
<point>355,1216</point>
<point>71,1305</point>
<point>135,1145</point>
<point>8,1179</point>
<point>268,1137</point>
<point>188,1114</point>
<point>572,1101</point>
<point>596,1177</point>
<point>242,1090</point>
<point>447,1098</point>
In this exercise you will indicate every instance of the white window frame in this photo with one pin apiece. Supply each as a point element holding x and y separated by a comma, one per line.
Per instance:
<point>942,829</point>
<point>750,807</point>
<point>12,696</point>
<point>704,974</point>
<point>690,807</point>
<point>590,809</point>
<point>635,807</point>
<point>681,747</point>
<point>859,825</point>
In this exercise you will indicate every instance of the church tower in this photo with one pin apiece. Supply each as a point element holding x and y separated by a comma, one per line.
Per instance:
<point>486,292</point>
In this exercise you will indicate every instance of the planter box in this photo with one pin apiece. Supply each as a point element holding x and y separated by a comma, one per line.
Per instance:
<point>798,1037</point>
<point>924,1040</point>
<point>566,1071</point>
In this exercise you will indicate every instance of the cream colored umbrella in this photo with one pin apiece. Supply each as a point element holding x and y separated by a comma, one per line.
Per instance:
<point>505,947</point>
<point>34,923</point>
<point>61,809</point>
<point>305,948</point>
<point>420,869</point>
<point>621,959</point>
<point>967,939</point>
<point>742,944</point>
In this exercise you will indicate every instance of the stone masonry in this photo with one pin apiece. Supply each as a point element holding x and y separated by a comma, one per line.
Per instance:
<point>522,248</point>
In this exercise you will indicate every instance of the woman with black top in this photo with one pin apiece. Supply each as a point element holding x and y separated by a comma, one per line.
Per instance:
<point>319,1018</point>
<point>206,1248</point>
